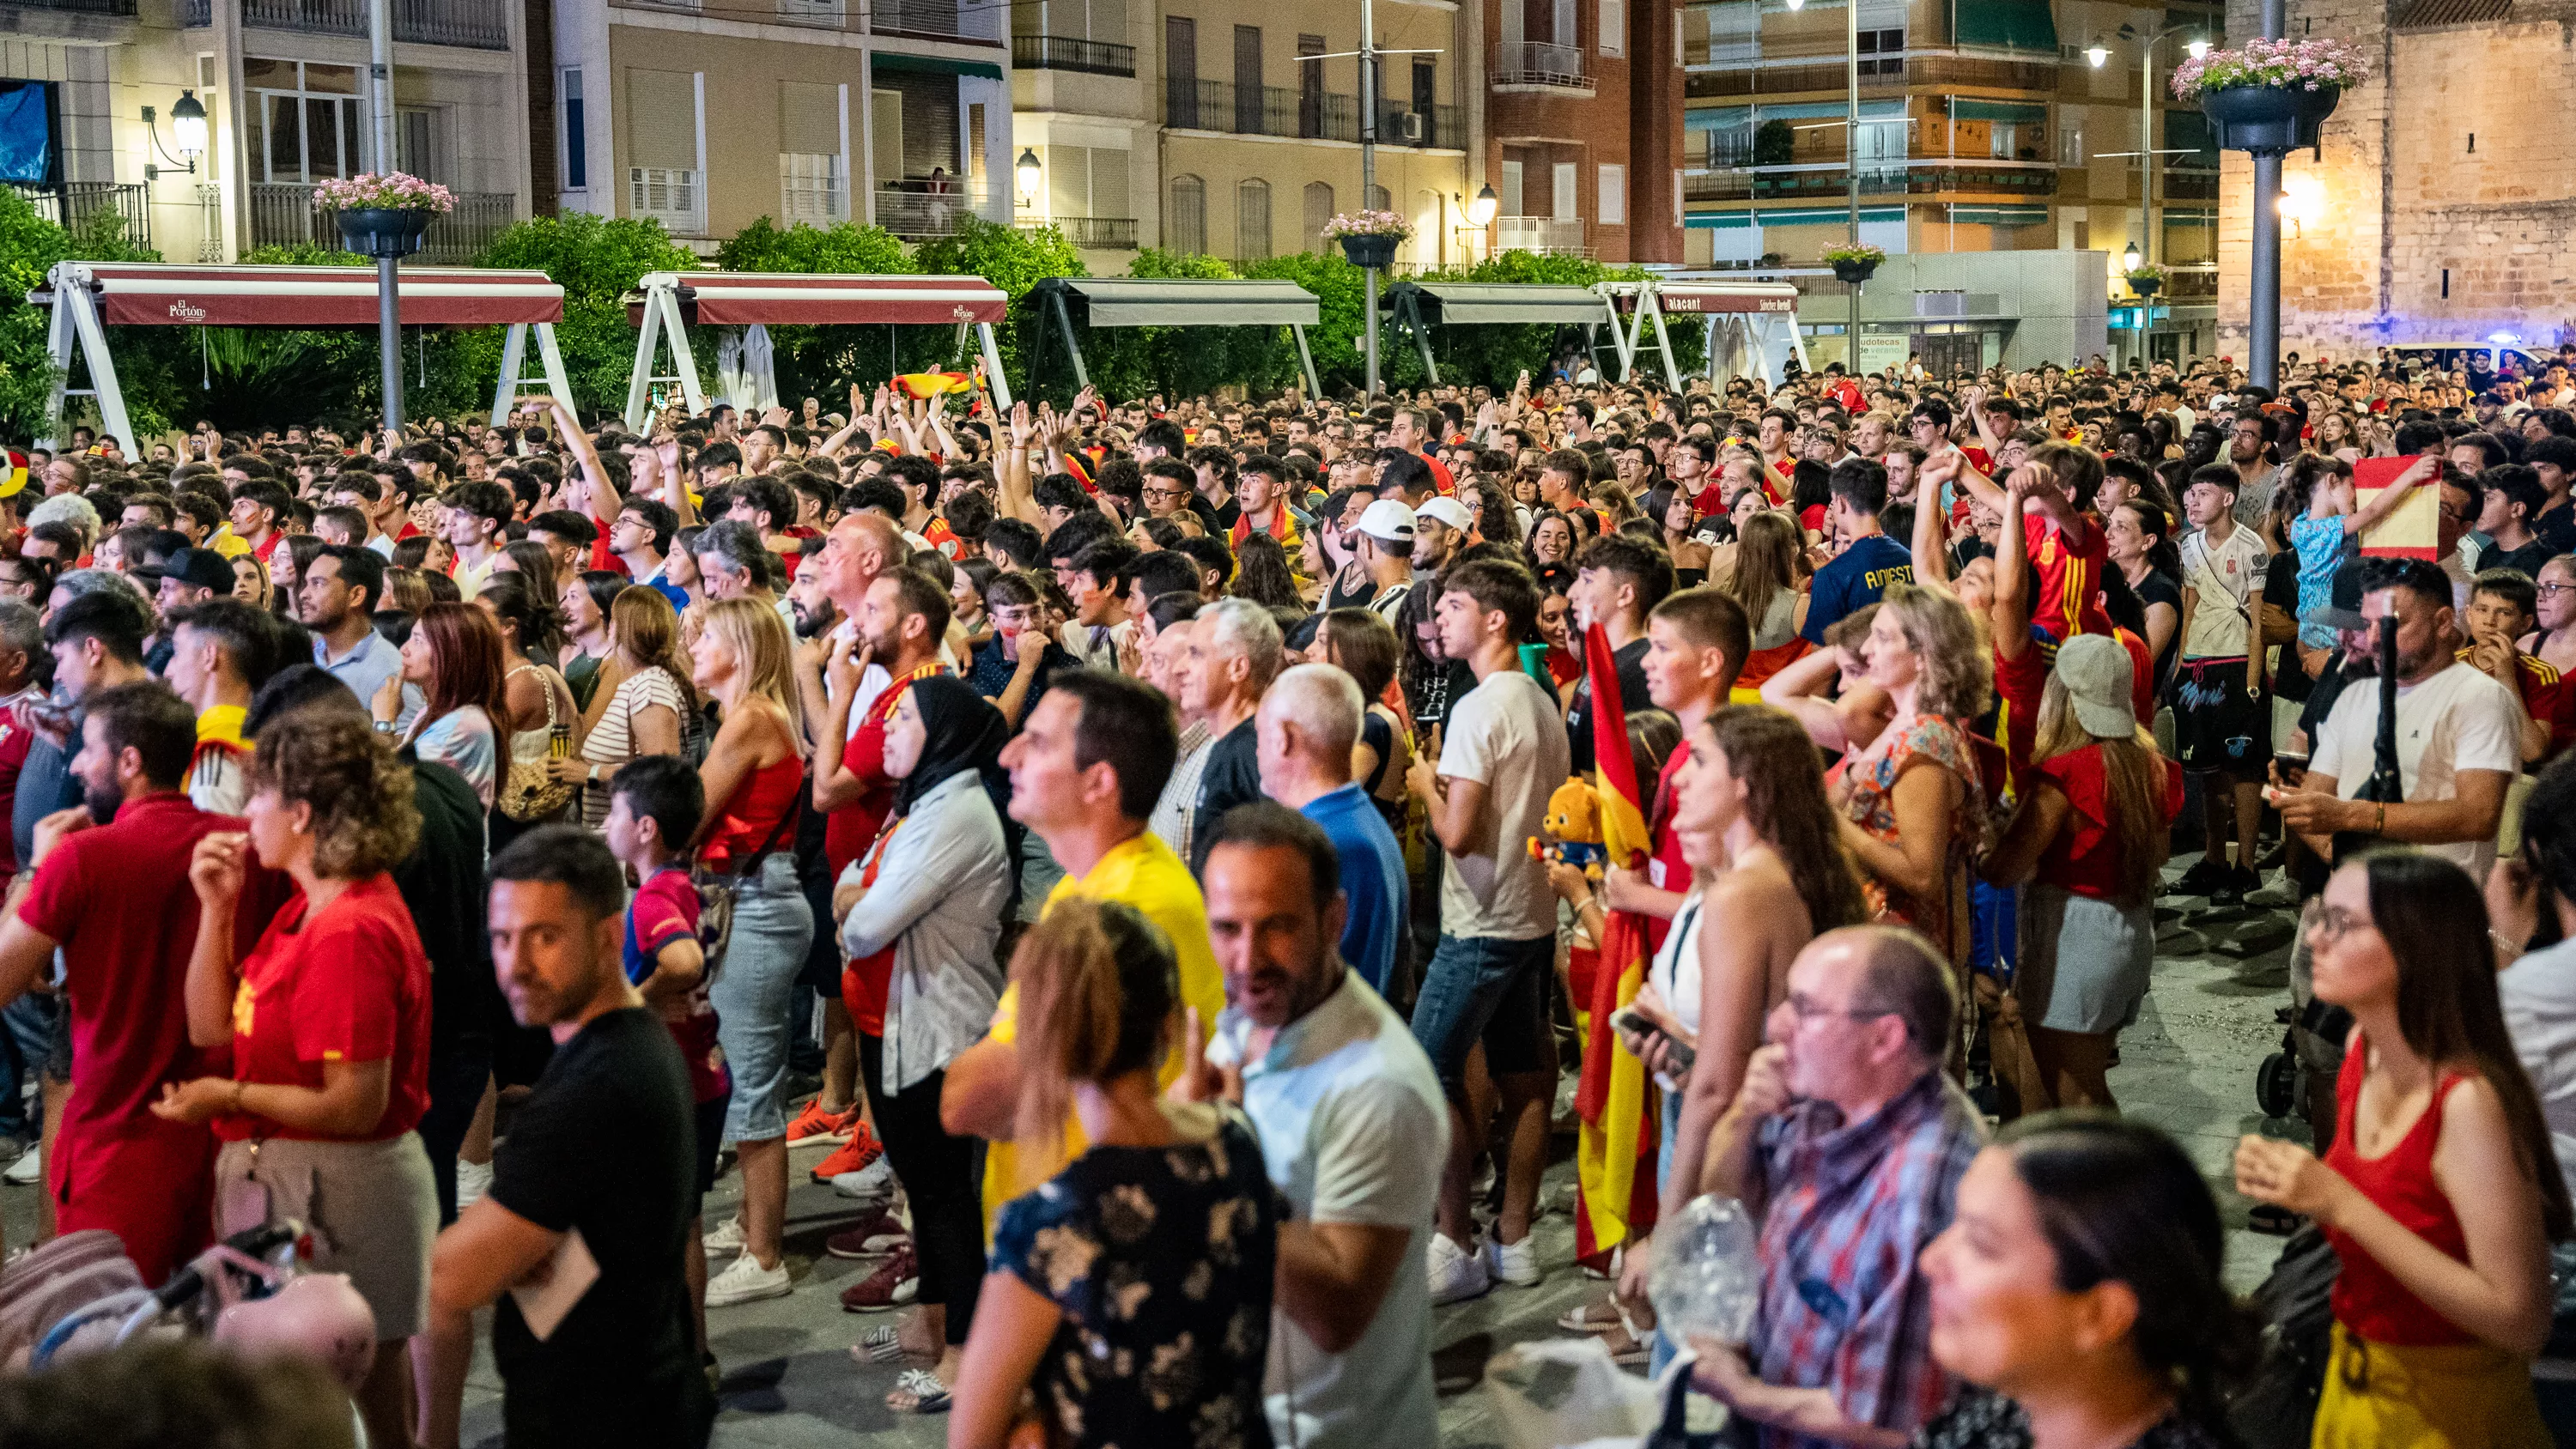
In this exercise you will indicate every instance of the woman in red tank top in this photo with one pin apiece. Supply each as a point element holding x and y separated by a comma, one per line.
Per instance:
<point>2440,1192</point>
<point>754,778</point>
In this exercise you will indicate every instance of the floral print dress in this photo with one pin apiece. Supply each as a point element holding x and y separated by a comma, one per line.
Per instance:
<point>1869,801</point>
<point>1161,1259</point>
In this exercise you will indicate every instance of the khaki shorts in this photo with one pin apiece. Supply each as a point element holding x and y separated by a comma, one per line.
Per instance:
<point>369,1208</point>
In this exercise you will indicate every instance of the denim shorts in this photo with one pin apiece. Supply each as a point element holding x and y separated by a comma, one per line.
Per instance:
<point>754,996</point>
<point>1482,988</point>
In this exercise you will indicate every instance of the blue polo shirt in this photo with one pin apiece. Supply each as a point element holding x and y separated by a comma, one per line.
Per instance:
<point>1372,879</point>
<point>1855,579</point>
<point>365,668</point>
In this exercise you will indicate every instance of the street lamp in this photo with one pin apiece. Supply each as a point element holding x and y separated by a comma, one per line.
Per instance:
<point>2096,53</point>
<point>1027,173</point>
<point>187,132</point>
<point>2129,258</point>
<point>1480,212</point>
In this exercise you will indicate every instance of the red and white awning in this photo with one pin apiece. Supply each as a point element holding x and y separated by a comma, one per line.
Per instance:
<point>1704,297</point>
<point>165,294</point>
<point>736,299</point>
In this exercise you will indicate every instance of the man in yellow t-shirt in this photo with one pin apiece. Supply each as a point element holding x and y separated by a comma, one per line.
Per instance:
<point>1085,773</point>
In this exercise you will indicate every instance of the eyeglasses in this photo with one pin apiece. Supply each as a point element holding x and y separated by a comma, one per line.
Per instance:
<point>1167,494</point>
<point>1807,1010</point>
<point>2551,591</point>
<point>2333,923</point>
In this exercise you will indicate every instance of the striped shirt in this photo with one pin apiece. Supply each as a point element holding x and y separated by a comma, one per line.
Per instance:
<point>1847,1212</point>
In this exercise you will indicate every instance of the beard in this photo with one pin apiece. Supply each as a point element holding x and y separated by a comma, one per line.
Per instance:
<point>103,803</point>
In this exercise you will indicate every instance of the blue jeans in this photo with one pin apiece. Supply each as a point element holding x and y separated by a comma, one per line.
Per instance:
<point>1661,1351</point>
<point>1481,988</point>
<point>26,1041</point>
<point>1994,930</point>
<point>754,996</point>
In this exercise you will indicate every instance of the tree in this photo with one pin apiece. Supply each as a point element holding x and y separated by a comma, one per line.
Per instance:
<point>820,361</point>
<point>29,247</point>
<point>1011,259</point>
<point>597,261</point>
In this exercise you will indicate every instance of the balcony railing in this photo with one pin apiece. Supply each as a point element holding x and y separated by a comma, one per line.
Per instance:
<point>916,210</point>
<point>1790,75</point>
<point>960,19</point>
<point>671,195</point>
<point>1308,115</point>
<point>1100,233</point>
<point>476,24</point>
<point>282,214</point>
<point>1537,63</point>
<point>83,7</point>
<point>1063,52</point>
<point>88,207</point>
<point>1540,234</point>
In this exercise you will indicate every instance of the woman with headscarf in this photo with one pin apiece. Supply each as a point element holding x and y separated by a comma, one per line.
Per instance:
<point>932,893</point>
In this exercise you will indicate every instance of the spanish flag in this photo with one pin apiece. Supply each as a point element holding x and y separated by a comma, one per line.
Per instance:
<point>1614,1141</point>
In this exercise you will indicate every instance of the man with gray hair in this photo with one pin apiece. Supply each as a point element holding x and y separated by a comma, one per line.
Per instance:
<point>736,564</point>
<point>1848,1141</point>
<point>1233,655</point>
<point>1305,729</point>
<point>72,509</point>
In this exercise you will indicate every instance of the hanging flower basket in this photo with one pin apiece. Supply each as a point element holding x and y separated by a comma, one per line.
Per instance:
<point>1368,238</point>
<point>1855,264</point>
<point>383,216</point>
<point>2271,96</point>
<point>2146,281</point>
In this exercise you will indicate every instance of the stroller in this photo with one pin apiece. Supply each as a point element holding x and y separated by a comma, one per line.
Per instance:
<point>80,1294</point>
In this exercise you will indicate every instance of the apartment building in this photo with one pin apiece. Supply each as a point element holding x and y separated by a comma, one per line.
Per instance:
<point>1984,125</point>
<point>1581,144</point>
<point>1260,126</point>
<point>1083,112</point>
<point>709,114</point>
<point>88,89</point>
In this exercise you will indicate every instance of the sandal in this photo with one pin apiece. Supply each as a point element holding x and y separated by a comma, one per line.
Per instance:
<point>928,1395</point>
<point>1601,1316</point>
<point>877,1345</point>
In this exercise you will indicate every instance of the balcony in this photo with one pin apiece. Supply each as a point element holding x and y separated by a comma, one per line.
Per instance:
<point>120,8</point>
<point>89,206</point>
<point>1537,63</point>
<point>1100,233</point>
<point>942,19</point>
<point>1305,115</point>
<point>1540,234</point>
<point>2188,183</point>
<point>671,195</point>
<point>915,211</point>
<point>475,24</point>
<point>1063,52</point>
<point>1789,75</point>
<point>282,214</point>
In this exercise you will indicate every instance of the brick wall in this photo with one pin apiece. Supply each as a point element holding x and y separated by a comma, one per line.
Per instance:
<point>2402,199</point>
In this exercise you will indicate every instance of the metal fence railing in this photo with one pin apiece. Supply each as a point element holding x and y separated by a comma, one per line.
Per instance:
<point>282,214</point>
<point>85,206</point>
<point>1537,62</point>
<point>915,210</point>
<point>1064,52</point>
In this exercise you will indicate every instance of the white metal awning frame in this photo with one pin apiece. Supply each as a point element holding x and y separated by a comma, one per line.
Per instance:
<point>1172,302</point>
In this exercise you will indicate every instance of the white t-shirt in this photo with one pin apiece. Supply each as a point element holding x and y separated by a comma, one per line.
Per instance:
<point>2460,719</point>
<point>2229,580</point>
<point>1354,1129</point>
<point>2539,997</point>
<point>1506,735</point>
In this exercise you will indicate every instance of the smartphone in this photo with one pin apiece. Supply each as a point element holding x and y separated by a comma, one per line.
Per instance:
<point>2293,766</point>
<point>1628,1019</point>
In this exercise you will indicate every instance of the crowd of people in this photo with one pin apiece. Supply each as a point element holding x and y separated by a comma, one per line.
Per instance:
<point>1136,841</point>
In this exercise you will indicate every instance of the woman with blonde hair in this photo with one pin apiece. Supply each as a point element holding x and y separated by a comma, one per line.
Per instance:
<point>754,777</point>
<point>2088,838</point>
<point>1913,802</point>
<point>1763,579</point>
<point>645,707</point>
<point>1155,1246</point>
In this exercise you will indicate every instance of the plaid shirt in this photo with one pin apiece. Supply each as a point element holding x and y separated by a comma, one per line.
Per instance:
<point>1848,1208</point>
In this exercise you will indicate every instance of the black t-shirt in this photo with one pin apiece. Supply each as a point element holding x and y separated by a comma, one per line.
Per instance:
<point>1630,660</point>
<point>2281,590</point>
<point>606,1144</point>
<point>2556,529</point>
<point>2525,560</point>
<point>2159,588</point>
<point>1232,777</point>
<point>442,882</point>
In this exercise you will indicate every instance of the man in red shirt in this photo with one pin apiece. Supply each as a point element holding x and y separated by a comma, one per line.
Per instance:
<point>1411,430</point>
<point>115,899</point>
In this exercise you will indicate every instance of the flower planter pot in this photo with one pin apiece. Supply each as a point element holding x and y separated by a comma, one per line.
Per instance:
<point>2267,119</point>
<point>2146,286</point>
<point>1376,252</point>
<point>1855,272</point>
<point>382,232</point>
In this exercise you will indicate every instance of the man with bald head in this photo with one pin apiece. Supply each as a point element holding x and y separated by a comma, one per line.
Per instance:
<point>1305,728</point>
<point>1847,1141</point>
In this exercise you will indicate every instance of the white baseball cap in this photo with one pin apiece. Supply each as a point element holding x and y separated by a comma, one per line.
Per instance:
<point>2098,674</point>
<point>1446,510</point>
<point>1388,519</point>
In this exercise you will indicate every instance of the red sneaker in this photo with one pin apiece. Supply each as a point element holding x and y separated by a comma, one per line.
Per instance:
<point>877,1235</point>
<point>895,1283</point>
<point>816,1125</point>
<point>861,1149</point>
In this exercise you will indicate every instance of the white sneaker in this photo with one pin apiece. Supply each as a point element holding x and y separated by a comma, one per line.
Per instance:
<point>28,1170</point>
<point>1513,1263</point>
<point>472,1179</point>
<point>745,1281</point>
<point>873,1183</point>
<point>724,1238</point>
<point>1457,1273</point>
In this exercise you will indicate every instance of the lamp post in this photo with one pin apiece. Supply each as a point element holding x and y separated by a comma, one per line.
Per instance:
<point>1027,173</point>
<point>2143,251</point>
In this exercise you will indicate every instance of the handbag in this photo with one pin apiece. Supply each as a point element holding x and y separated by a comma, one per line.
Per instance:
<point>530,792</point>
<point>720,890</point>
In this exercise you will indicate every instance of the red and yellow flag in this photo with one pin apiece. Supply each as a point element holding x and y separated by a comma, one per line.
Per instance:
<point>1615,1137</point>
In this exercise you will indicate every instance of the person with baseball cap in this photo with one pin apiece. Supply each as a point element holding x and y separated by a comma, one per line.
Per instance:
<point>190,577</point>
<point>2088,839</point>
<point>1440,527</point>
<point>1384,544</point>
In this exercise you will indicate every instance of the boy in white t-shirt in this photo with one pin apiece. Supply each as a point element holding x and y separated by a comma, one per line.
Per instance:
<point>1503,753</point>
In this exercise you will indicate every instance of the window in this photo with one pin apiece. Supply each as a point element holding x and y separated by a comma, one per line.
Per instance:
<point>1613,210</point>
<point>1568,206</point>
<point>1614,27</point>
<point>1310,90</point>
<point>1511,191</point>
<point>1319,210</point>
<point>576,140</point>
<point>1187,231</point>
<point>813,176</point>
<point>1380,200</point>
<point>1882,52</point>
<point>416,143</point>
<point>1086,181</point>
<point>306,122</point>
<point>1252,221</point>
<point>663,146</point>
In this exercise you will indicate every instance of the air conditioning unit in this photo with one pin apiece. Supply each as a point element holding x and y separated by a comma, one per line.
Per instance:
<point>1409,126</point>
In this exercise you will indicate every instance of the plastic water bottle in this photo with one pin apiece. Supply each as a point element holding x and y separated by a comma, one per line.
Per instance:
<point>1707,1274</point>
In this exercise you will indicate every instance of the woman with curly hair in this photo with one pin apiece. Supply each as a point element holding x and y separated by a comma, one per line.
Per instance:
<point>327,1017</point>
<point>1261,574</point>
<point>1913,803</point>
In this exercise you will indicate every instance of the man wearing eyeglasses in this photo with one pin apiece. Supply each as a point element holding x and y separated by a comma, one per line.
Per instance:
<point>1847,1141</point>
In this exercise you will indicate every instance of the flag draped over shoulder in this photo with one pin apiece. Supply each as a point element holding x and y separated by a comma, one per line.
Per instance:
<point>1613,1139</point>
